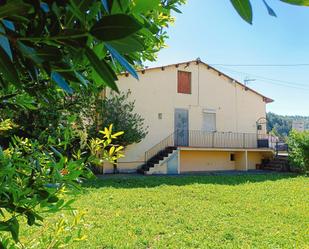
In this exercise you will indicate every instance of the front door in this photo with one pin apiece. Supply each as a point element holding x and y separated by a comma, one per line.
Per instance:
<point>181,127</point>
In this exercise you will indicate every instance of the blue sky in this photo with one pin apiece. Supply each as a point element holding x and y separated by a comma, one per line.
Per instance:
<point>213,31</point>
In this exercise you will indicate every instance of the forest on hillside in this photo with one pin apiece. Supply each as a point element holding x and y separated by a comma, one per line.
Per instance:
<point>282,124</point>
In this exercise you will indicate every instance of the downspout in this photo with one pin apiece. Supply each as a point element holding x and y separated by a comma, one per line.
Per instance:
<point>236,108</point>
<point>246,159</point>
<point>198,84</point>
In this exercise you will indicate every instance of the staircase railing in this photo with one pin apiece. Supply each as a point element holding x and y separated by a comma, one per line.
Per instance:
<point>156,149</point>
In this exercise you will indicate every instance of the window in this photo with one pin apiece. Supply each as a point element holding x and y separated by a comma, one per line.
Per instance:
<point>209,121</point>
<point>232,157</point>
<point>184,82</point>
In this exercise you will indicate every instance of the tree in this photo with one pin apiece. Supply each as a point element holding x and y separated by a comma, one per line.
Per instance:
<point>298,143</point>
<point>119,111</point>
<point>282,124</point>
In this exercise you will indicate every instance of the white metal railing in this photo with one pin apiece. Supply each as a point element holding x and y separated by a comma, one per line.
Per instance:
<point>222,139</point>
<point>204,139</point>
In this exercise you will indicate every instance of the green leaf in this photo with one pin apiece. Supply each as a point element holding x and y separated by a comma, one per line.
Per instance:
<point>120,6</point>
<point>269,9</point>
<point>4,226</point>
<point>297,2</point>
<point>105,5</point>
<point>103,69</point>
<point>244,9</point>
<point>49,53</point>
<point>115,27</point>
<point>127,45</point>
<point>142,6</point>
<point>7,68</point>
<point>29,52</point>
<point>56,77</point>
<point>99,50</point>
<point>14,228</point>
<point>78,9</point>
<point>10,25</point>
<point>122,61</point>
<point>14,8</point>
<point>30,218</point>
<point>5,44</point>
<point>53,199</point>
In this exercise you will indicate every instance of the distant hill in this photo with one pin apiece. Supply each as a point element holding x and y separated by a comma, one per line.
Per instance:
<point>282,124</point>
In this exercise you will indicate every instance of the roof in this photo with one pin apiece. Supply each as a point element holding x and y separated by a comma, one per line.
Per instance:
<point>198,61</point>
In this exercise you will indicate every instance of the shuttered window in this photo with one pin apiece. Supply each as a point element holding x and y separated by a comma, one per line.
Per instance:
<point>184,82</point>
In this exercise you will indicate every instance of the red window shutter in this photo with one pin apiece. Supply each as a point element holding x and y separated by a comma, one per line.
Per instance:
<point>184,82</point>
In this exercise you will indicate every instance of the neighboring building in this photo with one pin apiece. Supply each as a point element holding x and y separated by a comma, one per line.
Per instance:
<point>199,120</point>
<point>298,125</point>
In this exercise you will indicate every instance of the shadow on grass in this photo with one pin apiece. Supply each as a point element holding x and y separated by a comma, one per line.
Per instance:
<point>140,181</point>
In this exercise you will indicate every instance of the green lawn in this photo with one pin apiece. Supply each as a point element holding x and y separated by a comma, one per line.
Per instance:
<point>238,211</point>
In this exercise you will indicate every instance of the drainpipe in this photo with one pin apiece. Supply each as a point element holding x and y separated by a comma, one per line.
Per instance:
<point>246,159</point>
<point>198,84</point>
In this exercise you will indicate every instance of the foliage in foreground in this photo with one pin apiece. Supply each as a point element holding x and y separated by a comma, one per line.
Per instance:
<point>74,45</point>
<point>244,7</point>
<point>298,143</point>
<point>62,233</point>
<point>51,53</point>
<point>34,176</point>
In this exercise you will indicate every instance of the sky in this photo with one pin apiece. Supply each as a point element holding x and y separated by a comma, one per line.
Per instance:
<point>213,31</point>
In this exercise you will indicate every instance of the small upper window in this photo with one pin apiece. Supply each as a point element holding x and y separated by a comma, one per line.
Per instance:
<point>184,82</point>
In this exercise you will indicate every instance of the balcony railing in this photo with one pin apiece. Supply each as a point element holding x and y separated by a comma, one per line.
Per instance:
<point>203,139</point>
<point>216,139</point>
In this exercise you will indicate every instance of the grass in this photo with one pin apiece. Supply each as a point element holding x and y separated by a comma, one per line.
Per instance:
<point>238,211</point>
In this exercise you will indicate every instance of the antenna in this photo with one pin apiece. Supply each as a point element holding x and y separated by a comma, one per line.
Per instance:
<point>247,80</point>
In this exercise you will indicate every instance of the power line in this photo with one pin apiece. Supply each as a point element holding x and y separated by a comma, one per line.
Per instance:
<point>274,81</point>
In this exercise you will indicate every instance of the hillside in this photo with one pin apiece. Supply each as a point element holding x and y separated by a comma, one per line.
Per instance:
<point>282,124</point>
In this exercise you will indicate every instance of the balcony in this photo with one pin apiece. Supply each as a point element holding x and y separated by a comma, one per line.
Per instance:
<point>215,139</point>
<point>203,139</point>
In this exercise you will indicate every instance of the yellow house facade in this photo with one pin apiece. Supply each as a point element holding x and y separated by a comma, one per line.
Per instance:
<point>198,119</point>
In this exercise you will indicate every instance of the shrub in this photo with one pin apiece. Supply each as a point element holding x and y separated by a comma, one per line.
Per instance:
<point>118,110</point>
<point>298,143</point>
<point>34,176</point>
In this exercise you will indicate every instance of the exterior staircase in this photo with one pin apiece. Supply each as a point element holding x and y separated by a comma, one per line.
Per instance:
<point>278,163</point>
<point>156,160</point>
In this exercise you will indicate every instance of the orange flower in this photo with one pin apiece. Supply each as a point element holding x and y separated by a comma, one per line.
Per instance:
<point>64,172</point>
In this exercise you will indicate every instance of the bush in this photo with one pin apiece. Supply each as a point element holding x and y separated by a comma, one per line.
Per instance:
<point>34,176</point>
<point>298,143</point>
<point>118,110</point>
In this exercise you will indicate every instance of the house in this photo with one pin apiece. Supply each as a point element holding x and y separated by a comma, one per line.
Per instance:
<point>199,120</point>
